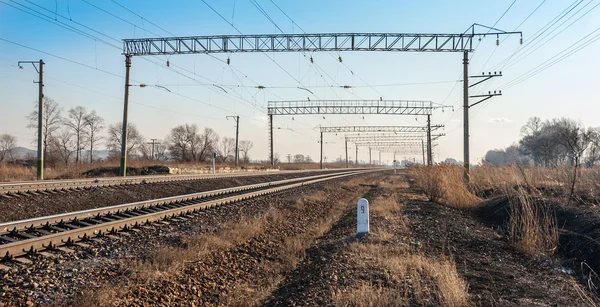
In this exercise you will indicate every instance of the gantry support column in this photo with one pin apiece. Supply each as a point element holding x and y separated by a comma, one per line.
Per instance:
<point>429,155</point>
<point>123,168</point>
<point>466,112</point>
<point>321,163</point>
<point>271,139</point>
<point>346,153</point>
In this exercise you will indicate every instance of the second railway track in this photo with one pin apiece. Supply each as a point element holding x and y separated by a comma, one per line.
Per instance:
<point>33,187</point>
<point>19,238</point>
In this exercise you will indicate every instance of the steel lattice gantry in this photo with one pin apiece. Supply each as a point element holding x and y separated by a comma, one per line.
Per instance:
<point>373,129</point>
<point>299,43</point>
<point>380,107</point>
<point>385,42</point>
<point>403,146</point>
<point>392,107</point>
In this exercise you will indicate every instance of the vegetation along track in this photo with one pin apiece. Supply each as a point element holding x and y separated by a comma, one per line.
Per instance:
<point>19,238</point>
<point>33,187</point>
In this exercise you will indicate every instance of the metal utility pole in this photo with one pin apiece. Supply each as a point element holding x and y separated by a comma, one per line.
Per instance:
<point>123,168</point>
<point>40,149</point>
<point>271,139</point>
<point>370,160</point>
<point>237,134</point>
<point>466,113</point>
<point>346,153</point>
<point>321,164</point>
<point>423,148</point>
<point>429,155</point>
<point>152,143</point>
<point>356,155</point>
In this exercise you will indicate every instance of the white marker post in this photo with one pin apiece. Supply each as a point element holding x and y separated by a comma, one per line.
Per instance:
<point>362,216</point>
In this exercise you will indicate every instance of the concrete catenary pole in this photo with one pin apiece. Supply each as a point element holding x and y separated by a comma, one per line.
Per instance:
<point>466,112</point>
<point>40,153</point>
<point>356,156</point>
<point>423,149</point>
<point>271,139</point>
<point>347,153</point>
<point>123,168</point>
<point>429,155</point>
<point>370,159</point>
<point>237,140</point>
<point>321,163</point>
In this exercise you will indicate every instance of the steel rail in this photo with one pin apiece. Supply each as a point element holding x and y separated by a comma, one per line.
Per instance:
<point>136,214</point>
<point>37,186</point>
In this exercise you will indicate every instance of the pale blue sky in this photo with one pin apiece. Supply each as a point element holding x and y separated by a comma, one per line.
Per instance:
<point>569,88</point>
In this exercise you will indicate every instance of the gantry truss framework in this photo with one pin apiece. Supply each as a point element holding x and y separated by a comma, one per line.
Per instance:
<point>374,129</point>
<point>393,107</point>
<point>399,144</point>
<point>416,42</point>
<point>373,138</point>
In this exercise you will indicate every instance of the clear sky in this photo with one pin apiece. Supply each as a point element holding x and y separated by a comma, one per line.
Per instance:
<point>568,88</point>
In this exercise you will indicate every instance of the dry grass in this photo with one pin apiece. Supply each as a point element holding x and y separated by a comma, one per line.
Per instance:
<point>167,259</point>
<point>444,184</point>
<point>485,178</point>
<point>14,172</point>
<point>532,227</point>
<point>413,278</point>
<point>410,278</point>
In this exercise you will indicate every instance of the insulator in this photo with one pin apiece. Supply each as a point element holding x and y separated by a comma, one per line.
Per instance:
<point>521,41</point>
<point>311,60</point>
<point>340,59</point>
<point>260,87</point>
<point>497,41</point>
<point>168,63</point>
<point>228,61</point>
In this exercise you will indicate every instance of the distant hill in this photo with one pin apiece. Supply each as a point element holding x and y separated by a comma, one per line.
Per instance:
<point>22,152</point>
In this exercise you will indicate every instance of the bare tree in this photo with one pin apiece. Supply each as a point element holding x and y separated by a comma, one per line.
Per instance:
<point>75,121</point>
<point>134,139</point>
<point>226,148</point>
<point>51,121</point>
<point>298,158</point>
<point>94,125</point>
<point>184,142</point>
<point>160,152</point>
<point>575,139</point>
<point>63,144</point>
<point>7,146</point>
<point>208,144</point>
<point>245,147</point>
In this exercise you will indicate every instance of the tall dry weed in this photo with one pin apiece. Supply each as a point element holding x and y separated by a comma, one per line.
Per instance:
<point>532,226</point>
<point>444,184</point>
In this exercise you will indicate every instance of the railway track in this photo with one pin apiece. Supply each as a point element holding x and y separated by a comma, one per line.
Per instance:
<point>19,238</point>
<point>34,187</point>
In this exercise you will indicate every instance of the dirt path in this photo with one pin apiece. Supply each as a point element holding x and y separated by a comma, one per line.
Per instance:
<point>343,269</point>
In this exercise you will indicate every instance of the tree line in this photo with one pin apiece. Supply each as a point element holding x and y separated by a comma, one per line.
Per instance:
<point>75,136</point>
<point>551,143</point>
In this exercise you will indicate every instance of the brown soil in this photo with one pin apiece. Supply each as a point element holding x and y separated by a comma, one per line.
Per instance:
<point>17,208</point>
<point>579,239</point>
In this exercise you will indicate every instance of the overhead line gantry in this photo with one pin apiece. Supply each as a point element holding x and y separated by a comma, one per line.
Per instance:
<point>357,107</point>
<point>382,42</point>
